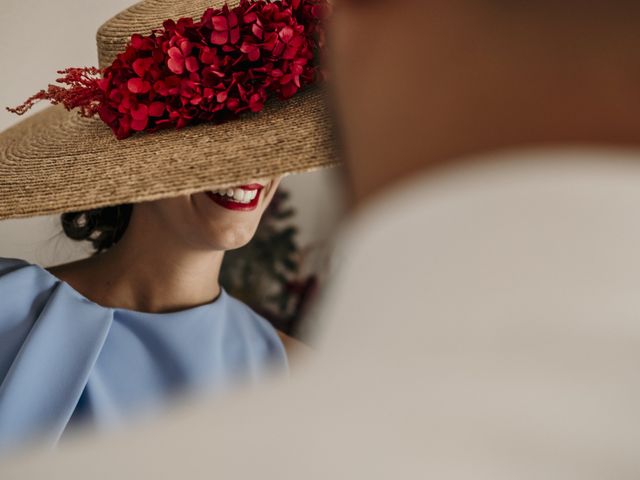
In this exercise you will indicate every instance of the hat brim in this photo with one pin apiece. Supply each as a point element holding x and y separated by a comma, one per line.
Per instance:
<point>57,161</point>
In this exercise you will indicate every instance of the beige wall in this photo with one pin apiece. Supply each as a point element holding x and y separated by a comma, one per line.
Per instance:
<point>38,37</point>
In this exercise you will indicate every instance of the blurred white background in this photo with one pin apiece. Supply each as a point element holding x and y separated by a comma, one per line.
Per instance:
<point>39,37</point>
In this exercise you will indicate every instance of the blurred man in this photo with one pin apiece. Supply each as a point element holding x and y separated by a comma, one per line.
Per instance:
<point>425,84</point>
<point>483,317</point>
<point>485,291</point>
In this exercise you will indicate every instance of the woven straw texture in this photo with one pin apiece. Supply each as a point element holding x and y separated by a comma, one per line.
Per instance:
<point>56,161</point>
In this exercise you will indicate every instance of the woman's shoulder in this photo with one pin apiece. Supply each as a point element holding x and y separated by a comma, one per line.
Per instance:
<point>20,279</point>
<point>239,310</point>
<point>25,289</point>
<point>276,338</point>
<point>16,272</point>
<point>254,328</point>
<point>8,264</point>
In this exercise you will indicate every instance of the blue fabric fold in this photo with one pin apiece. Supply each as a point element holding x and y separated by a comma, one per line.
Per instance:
<point>66,359</point>
<point>47,377</point>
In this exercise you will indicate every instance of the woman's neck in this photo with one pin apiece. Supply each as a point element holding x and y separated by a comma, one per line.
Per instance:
<point>148,271</point>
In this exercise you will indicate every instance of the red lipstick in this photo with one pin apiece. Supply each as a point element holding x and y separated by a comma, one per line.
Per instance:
<point>231,204</point>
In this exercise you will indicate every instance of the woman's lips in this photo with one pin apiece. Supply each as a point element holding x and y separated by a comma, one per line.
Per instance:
<point>243,198</point>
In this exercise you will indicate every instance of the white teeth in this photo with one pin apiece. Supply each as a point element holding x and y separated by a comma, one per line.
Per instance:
<point>238,194</point>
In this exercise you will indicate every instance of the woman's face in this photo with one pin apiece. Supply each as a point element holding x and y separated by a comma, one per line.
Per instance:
<point>214,220</point>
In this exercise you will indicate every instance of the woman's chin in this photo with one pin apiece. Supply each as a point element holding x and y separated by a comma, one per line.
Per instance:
<point>231,239</point>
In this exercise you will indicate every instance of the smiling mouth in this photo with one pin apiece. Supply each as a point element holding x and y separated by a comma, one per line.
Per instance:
<point>243,198</point>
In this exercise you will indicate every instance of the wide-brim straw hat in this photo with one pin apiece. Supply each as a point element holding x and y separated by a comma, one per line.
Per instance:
<point>58,161</point>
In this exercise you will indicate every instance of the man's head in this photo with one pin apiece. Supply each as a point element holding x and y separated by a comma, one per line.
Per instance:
<point>422,82</point>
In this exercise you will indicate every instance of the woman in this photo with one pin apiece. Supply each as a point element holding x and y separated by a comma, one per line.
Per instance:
<point>164,188</point>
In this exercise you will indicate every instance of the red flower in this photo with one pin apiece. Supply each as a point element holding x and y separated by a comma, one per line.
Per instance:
<point>140,117</point>
<point>252,50</point>
<point>287,42</point>
<point>208,55</point>
<point>256,25</point>
<point>137,85</point>
<point>180,57</point>
<point>142,65</point>
<point>229,62</point>
<point>225,28</point>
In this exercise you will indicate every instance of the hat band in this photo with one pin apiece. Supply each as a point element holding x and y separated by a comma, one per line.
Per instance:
<point>229,62</point>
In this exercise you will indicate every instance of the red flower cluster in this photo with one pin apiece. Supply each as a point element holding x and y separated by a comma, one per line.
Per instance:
<point>189,72</point>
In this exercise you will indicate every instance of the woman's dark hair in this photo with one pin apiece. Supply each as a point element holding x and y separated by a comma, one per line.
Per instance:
<point>103,227</point>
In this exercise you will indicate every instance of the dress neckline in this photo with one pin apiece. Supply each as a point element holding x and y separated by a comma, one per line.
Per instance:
<point>219,300</point>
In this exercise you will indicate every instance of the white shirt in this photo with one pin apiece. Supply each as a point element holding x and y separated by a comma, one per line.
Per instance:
<point>483,323</point>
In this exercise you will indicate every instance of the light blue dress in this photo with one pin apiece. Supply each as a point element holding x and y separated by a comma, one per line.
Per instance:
<point>65,359</point>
